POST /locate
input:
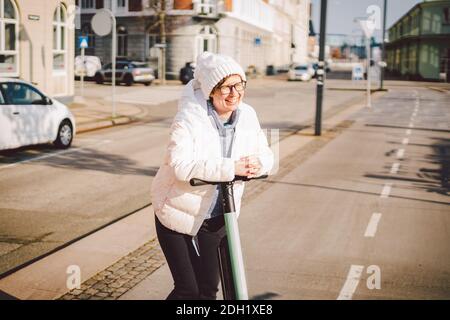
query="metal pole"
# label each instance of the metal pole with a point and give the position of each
(369, 103)
(163, 41)
(113, 54)
(82, 72)
(321, 67)
(234, 242)
(383, 47)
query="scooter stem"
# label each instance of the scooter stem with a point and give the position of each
(234, 242)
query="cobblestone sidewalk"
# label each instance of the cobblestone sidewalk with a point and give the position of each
(122, 276)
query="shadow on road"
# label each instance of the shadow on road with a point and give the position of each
(82, 159)
(433, 180)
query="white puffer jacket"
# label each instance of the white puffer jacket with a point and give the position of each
(194, 151)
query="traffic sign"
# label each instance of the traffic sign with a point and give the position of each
(102, 23)
(83, 42)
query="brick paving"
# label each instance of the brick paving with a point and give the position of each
(122, 276)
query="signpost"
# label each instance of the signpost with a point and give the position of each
(83, 44)
(368, 31)
(103, 23)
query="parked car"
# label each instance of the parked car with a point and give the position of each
(27, 117)
(284, 68)
(127, 72)
(187, 72)
(91, 65)
(303, 72)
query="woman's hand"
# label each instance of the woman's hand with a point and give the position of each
(247, 166)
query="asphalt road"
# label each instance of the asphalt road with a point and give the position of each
(52, 197)
(366, 217)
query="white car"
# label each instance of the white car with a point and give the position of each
(90, 66)
(29, 117)
(303, 72)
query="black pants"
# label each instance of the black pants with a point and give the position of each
(195, 269)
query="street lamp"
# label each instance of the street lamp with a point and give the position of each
(321, 68)
(383, 45)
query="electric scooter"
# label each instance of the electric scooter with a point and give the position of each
(232, 272)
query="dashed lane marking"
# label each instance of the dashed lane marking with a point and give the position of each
(395, 167)
(373, 225)
(386, 190)
(351, 283)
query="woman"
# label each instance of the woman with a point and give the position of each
(214, 137)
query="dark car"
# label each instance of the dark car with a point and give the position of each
(127, 72)
(187, 72)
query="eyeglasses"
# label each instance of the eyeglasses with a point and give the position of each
(239, 87)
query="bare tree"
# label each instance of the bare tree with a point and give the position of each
(160, 9)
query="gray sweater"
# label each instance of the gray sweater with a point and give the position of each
(226, 129)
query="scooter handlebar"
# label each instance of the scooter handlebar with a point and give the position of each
(199, 182)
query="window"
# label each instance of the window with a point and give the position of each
(134, 5)
(21, 94)
(9, 41)
(122, 41)
(206, 40)
(91, 4)
(88, 4)
(445, 15)
(153, 39)
(121, 3)
(59, 38)
(204, 7)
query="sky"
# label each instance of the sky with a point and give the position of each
(341, 13)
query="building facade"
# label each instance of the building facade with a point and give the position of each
(255, 32)
(419, 43)
(37, 44)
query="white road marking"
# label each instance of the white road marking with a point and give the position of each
(411, 125)
(405, 141)
(400, 153)
(386, 190)
(408, 132)
(395, 167)
(372, 226)
(54, 154)
(351, 283)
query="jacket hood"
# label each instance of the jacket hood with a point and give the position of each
(192, 98)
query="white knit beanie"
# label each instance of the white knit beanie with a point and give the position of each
(212, 68)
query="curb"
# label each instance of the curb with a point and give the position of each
(104, 124)
(439, 89)
(358, 89)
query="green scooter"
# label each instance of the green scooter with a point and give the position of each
(231, 262)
